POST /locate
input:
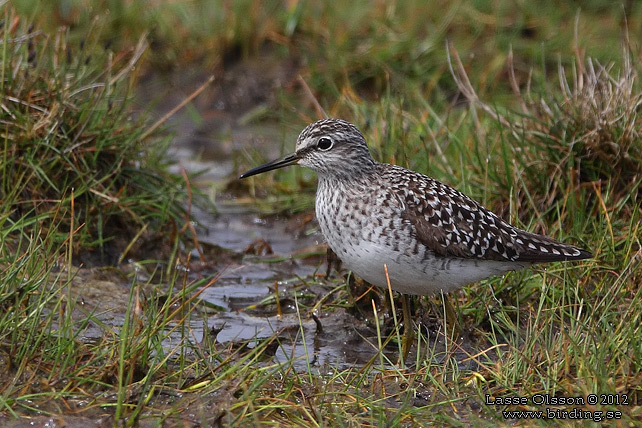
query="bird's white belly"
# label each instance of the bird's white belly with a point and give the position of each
(412, 276)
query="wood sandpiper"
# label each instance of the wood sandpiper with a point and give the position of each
(431, 237)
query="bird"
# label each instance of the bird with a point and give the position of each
(388, 224)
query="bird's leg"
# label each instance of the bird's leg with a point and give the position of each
(450, 318)
(333, 262)
(408, 332)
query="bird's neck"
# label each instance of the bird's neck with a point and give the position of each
(364, 170)
(348, 181)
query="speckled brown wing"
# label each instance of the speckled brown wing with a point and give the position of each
(451, 224)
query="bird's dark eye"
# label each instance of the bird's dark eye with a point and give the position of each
(324, 143)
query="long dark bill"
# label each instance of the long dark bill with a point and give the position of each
(290, 159)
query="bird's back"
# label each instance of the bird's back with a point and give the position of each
(452, 224)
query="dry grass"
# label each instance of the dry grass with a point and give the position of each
(584, 134)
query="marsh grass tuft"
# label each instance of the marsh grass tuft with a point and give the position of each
(564, 143)
(70, 147)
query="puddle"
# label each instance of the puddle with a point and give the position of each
(235, 230)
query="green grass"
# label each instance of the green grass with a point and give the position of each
(533, 109)
(70, 149)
